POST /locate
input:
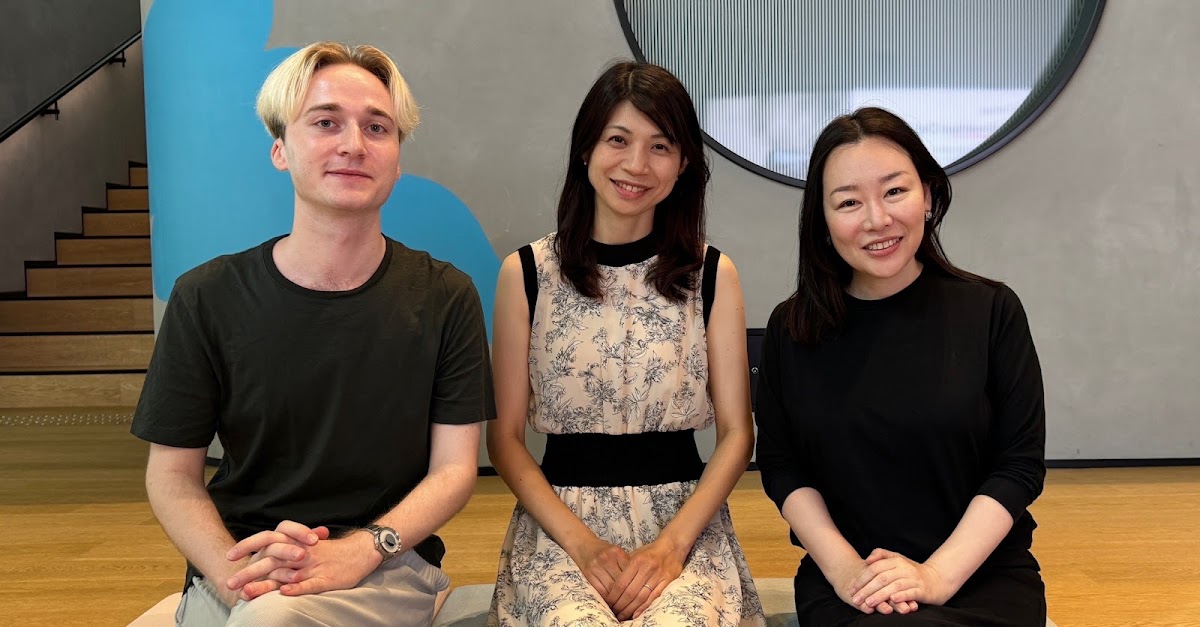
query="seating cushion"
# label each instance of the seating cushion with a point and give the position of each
(778, 601)
(467, 606)
(162, 614)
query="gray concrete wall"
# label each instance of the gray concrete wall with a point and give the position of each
(52, 42)
(50, 168)
(1091, 215)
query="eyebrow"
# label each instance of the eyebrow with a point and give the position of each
(336, 108)
(851, 188)
(622, 128)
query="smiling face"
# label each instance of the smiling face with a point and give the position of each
(633, 167)
(343, 149)
(875, 206)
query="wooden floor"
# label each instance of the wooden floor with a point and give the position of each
(79, 545)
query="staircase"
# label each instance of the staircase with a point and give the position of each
(78, 342)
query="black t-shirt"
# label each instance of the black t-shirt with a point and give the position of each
(926, 399)
(323, 401)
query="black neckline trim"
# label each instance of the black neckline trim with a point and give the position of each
(617, 255)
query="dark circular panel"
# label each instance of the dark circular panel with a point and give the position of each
(767, 75)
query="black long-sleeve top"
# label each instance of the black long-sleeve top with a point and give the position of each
(926, 399)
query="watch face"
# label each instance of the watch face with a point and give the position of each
(389, 540)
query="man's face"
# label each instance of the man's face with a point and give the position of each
(343, 150)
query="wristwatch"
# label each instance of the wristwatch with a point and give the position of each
(387, 541)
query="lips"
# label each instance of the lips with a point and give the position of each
(629, 191)
(350, 172)
(882, 245)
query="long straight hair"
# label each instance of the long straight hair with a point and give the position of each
(817, 309)
(678, 219)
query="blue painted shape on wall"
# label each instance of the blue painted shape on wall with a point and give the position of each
(213, 189)
(424, 215)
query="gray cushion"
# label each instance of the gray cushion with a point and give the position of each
(778, 601)
(467, 606)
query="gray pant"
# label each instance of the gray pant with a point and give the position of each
(400, 592)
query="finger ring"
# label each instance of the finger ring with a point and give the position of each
(647, 586)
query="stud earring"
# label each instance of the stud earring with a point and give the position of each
(928, 216)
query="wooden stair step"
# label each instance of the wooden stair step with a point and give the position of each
(138, 176)
(76, 315)
(75, 353)
(70, 390)
(104, 251)
(131, 199)
(133, 223)
(96, 281)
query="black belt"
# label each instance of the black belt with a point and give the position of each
(601, 460)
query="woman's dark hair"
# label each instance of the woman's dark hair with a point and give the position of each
(817, 309)
(678, 219)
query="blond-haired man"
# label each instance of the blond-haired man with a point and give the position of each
(345, 374)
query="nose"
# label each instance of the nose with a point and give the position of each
(877, 216)
(636, 161)
(352, 141)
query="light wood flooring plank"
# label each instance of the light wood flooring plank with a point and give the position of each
(1117, 546)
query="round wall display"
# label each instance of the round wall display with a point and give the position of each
(768, 75)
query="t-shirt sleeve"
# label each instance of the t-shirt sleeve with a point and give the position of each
(776, 450)
(178, 405)
(462, 387)
(1018, 436)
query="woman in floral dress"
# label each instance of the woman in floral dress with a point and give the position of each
(618, 336)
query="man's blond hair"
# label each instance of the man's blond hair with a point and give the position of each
(283, 92)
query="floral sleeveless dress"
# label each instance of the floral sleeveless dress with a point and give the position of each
(630, 362)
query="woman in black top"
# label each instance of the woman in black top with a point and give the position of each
(901, 421)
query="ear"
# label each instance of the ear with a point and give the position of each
(928, 199)
(278, 155)
(682, 166)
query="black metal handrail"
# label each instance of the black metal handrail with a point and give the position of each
(45, 106)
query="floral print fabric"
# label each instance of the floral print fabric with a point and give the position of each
(630, 362)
